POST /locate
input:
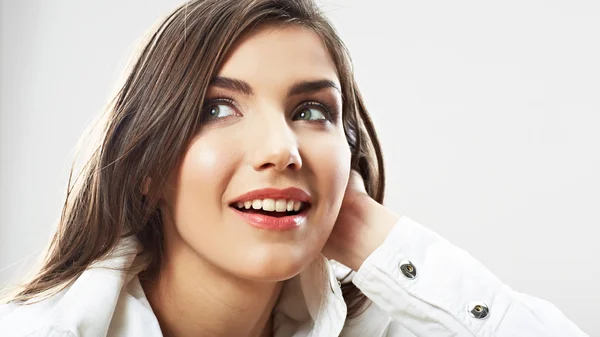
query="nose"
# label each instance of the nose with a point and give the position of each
(275, 147)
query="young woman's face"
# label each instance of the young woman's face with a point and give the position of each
(273, 125)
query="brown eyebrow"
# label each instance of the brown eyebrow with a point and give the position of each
(232, 84)
(302, 87)
(305, 87)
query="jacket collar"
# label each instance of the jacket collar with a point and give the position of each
(310, 304)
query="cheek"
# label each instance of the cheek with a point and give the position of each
(203, 176)
(329, 159)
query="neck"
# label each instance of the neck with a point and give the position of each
(192, 297)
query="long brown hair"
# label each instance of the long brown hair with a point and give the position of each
(152, 119)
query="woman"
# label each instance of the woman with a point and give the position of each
(237, 165)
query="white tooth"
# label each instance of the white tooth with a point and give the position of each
(248, 204)
(297, 206)
(257, 204)
(290, 206)
(280, 205)
(240, 204)
(268, 204)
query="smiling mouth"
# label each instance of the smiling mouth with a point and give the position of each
(272, 214)
(267, 208)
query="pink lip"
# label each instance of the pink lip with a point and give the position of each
(291, 193)
(263, 221)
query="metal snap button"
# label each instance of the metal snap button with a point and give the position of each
(479, 310)
(408, 269)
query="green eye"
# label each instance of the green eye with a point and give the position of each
(310, 114)
(217, 111)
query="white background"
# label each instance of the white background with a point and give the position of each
(489, 115)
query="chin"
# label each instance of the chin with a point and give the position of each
(275, 264)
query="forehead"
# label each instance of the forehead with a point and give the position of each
(274, 55)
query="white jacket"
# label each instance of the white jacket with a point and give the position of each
(420, 285)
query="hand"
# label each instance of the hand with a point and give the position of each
(361, 227)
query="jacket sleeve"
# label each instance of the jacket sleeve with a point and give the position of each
(432, 288)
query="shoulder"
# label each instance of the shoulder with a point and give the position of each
(87, 305)
(18, 319)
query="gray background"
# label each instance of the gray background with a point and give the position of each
(488, 113)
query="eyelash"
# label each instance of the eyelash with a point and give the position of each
(330, 112)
